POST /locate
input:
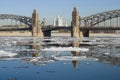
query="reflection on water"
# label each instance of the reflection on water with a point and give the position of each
(47, 54)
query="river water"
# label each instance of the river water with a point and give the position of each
(60, 58)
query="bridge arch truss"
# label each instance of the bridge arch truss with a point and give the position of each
(22, 19)
(93, 20)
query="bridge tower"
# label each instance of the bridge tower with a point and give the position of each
(76, 21)
(36, 28)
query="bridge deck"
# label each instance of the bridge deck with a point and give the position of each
(100, 28)
(16, 29)
(64, 28)
(81, 28)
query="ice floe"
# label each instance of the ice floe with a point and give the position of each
(65, 49)
(7, 54)
(72, 58)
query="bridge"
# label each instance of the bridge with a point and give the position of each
(80, 27)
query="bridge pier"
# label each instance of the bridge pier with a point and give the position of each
(47, 33)
(76, 21)
(86, 33)
(36, 28)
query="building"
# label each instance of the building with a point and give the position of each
(58, 21)
(66, 24)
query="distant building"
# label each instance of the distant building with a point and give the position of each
(58, 21)
(66, 24)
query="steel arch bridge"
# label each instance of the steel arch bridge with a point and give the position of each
(92, 20)
(88, 21)
(23, 19)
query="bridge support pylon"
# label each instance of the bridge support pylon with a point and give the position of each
(76, 21)
(36, 28)
(86, 33)
(47, 33)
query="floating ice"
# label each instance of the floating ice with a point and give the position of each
(106, 53)
(72, 58)
(7, 54)
(41, 61)
(65, 49)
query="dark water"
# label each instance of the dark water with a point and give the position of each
(59, 71)
(101, 62)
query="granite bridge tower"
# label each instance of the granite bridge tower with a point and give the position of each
(76, 21)
(36, 28)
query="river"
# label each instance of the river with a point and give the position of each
(60, 58)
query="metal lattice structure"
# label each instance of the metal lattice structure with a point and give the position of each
(88, 22)
(92, 20)
(23, 19)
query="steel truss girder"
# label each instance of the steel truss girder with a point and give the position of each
(100, 17)
(23, 19)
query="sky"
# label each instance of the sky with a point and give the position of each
(49, 9)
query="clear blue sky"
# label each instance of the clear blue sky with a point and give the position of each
(49, 9)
